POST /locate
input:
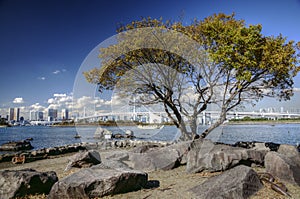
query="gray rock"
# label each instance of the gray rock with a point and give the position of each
(16, 146)
(84, 159)
(160, 159)
(6, 157)
(282, 167)
(182, 148)
(256, 156)
(112, 164)
(114, 160)
(204, 155)
(52, 151)
(96, 182)
(118, 156)
(144, 148)
(260, 146)
(237, 183)
(23, 182)
(101, 132)
(290, 152)
(246, 145)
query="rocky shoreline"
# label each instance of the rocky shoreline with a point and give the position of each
(161, 169)
(61, 150)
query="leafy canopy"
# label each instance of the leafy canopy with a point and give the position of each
(227, 63)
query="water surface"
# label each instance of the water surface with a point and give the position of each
(45, 137)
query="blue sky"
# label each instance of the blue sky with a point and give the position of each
(43, 43)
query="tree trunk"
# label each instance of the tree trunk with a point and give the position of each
(193, 126)
(185, 135)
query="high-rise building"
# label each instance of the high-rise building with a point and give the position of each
(17, 114)
(36, 115)
(40, 116)
(11, 113)
(52, 114)
(65, 114)
(14, 114)
(33, 115)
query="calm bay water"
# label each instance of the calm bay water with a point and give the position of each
(44, 137)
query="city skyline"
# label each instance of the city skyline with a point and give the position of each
(14, 114)
(98, 105)
(43, 43)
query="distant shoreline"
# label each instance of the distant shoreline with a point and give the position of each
(241, 122)
(268, 122)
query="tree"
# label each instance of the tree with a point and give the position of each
(218, 60)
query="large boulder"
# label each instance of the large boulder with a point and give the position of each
(16, 146)
(237, 183)
(288, 150)
(84, 159)
(256, 155)
(182, 148)
(97, 182)
(112, 164)
(256, 151)
(118, 155)
(291, 152)
(282, 167)
(144, 148)
(204, 155)
(114, 160)
(19, 183)
(160, 159)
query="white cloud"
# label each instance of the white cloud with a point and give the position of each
(42, 78)
(56, 72)
(18, 100)
(37, 107)
(51, 101)
(60, 100)
(59, 95)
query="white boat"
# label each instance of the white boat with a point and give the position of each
(150, 126)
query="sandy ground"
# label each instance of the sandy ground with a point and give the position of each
(173, 184)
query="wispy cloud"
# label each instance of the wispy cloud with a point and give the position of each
(18, 100)
(56, 72)
(42, 78)
(60, 95)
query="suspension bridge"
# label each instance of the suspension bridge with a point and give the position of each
(206, 117)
